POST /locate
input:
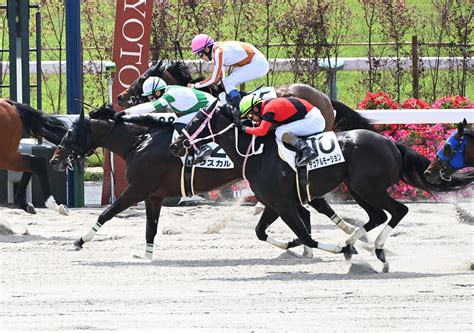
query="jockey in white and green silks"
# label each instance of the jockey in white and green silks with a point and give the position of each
(184, 102)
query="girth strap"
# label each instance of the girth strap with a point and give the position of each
(302, 184)
(187, 176)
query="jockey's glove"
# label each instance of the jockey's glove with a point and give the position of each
(240, 125)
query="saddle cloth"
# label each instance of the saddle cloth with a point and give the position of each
(217, 160)
(324, 144)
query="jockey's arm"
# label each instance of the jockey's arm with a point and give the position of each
(140, 109)
(216, 70)
(261, 130)
(156, 106)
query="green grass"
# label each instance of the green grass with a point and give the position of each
(349, 87)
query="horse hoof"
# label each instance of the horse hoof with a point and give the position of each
(63, 210)
(78, 244)
(145, 257)
(307, 252)
(348, 251)
(30, 209)
(380, 253)
(385, 267)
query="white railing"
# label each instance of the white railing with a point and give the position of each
(414, 116)
(277, 65)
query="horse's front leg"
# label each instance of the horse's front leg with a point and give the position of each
(268, 217)
(128, 198)
(153, 209)
(20, 194)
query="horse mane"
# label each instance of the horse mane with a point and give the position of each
(38, 125)
(106, 112)
(469, 132)
(149, 121)
(180, 72)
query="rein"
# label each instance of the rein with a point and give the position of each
(192, 139)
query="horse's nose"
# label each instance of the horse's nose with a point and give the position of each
(53, 161)
(427, 173)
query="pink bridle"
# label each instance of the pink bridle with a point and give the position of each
(192, 139)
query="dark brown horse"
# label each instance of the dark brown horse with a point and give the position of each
(455, 154)
(338, 116)
(372, 164)
(16, 118)
(152, 172)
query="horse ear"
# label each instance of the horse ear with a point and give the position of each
(461, 127)
(81, 116)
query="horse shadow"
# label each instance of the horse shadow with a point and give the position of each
(281, 261)
(16, 238)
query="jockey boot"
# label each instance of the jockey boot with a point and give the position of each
(234, 98)
(202, 154)
(304, 153)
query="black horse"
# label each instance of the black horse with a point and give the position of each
(456, 153)
(152, 172)
(372, 164)
(16, 119)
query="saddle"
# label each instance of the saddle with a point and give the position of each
(329, 153)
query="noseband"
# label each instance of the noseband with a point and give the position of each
(72, 151)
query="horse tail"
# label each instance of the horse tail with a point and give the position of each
(414, 165)
(348, 119)
(38, 125)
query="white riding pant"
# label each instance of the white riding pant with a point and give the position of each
(258, 67)
(312, 123)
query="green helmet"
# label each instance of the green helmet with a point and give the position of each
(247, 103)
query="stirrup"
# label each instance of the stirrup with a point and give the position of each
(304, 160)
(202, 154)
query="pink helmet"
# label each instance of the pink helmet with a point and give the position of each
(200, 42)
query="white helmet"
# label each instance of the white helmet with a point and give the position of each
(152, 84)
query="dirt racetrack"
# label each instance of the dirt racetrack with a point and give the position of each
(211, 272)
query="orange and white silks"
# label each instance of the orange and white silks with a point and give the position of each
(249, 63)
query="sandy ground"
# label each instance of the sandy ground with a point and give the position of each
(210, 272)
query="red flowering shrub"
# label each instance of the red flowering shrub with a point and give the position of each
(374, 101)
(413, 103)
(423, 138)
(453, 102)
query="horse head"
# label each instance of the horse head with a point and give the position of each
(176, 73)
(75, 145)
(133, 94)
(454, 155)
